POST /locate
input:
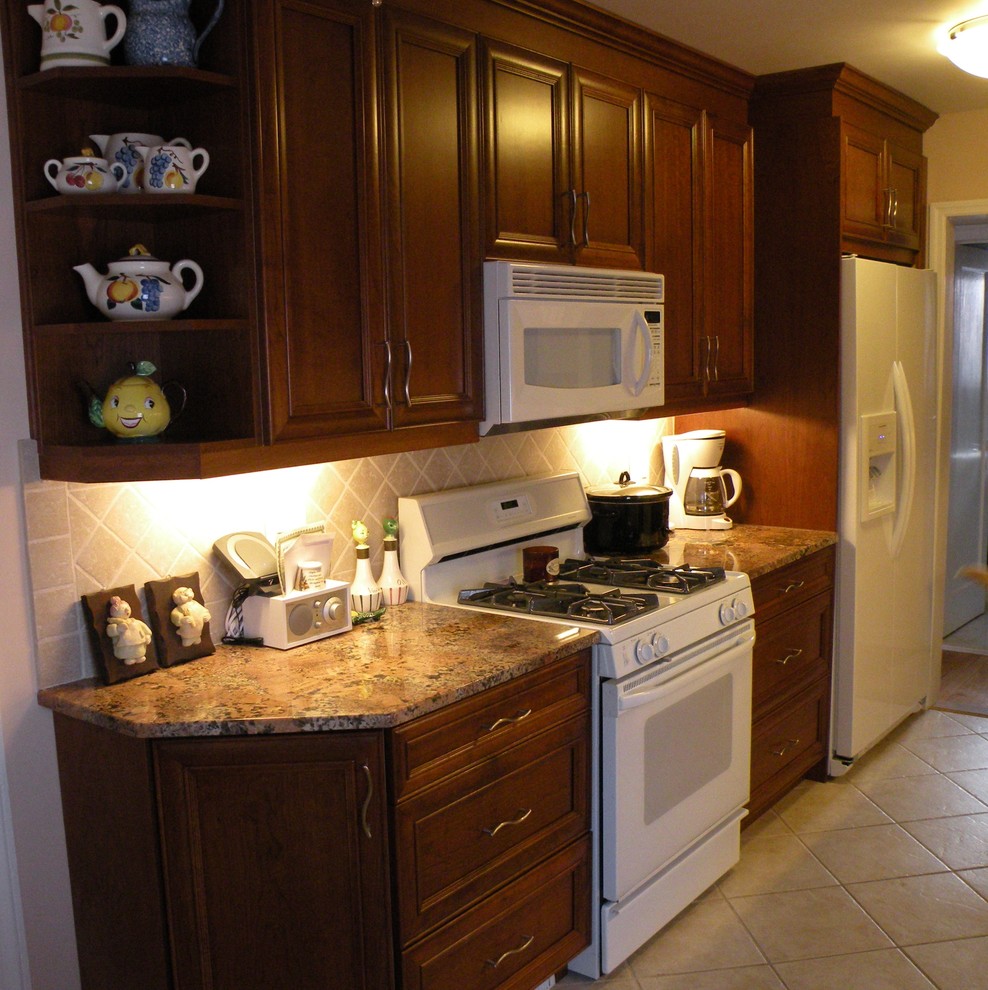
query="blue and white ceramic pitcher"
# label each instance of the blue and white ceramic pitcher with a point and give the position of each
(160, 32)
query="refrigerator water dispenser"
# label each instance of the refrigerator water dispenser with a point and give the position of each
(878, 443)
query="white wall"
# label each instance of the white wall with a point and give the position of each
(33, 856)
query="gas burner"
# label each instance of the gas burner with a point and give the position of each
(643, 572)
(560, 599)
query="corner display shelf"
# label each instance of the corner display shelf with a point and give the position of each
(211, 349)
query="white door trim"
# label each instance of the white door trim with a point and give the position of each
(13, 945)
(943, 217)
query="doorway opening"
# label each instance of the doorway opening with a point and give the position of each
(959, 251)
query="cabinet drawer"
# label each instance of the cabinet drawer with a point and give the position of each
(791, 586)
(514, 939)
(791, 650)
(475, 831)
(476, 728)
(791, 737)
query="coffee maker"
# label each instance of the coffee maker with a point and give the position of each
(693, 472)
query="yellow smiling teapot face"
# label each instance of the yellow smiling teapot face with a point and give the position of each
(136, 407)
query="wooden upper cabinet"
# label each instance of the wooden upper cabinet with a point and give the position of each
(527, 155)
(434, 344)
(320, 224)
(699, 189)
(674, 193)
(563, 152)
(728, 283)
(370, 226)
(883, 188)
(607, 171)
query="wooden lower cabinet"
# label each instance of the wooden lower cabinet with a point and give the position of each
(515, 938)
(275, 861)
(492, 822)
(215, 863)
(791, 675)
(452, 851)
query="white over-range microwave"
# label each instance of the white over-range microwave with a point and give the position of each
(569, 343)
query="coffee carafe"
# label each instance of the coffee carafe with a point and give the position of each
(698, 482)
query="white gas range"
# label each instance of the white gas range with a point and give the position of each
(672, 713)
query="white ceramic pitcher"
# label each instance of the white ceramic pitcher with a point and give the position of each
(75, 33)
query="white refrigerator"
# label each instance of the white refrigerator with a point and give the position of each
(884, 643)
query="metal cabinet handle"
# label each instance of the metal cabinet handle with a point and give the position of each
(789, 656)
(494, 963)
(894, 207)
(408, 372)
(706, 359)
(572, 216)
(785, 747)
(367, 800)
(387, 373)
(508, 720)
(795, 586)
(716, 357)
(585, 196)
(492, 830)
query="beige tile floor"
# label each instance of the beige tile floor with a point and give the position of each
(877, 880)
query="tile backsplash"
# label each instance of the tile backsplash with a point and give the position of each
(82, 538)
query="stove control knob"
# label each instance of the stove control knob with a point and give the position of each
(740, 608)
(661, 644)
(727, 614)
(644, 653)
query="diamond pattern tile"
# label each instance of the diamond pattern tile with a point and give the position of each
(85, 537)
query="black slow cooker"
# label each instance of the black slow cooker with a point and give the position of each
(627, 518)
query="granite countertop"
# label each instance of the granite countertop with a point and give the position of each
(756, 550)
(417, 658)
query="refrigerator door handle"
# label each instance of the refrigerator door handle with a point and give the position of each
(907, 447)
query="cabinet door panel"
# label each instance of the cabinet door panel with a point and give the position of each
(607, 171)
(433, 217)
(729, 275)
(527, 155)
(863, 183)
(271, 878)
(317, 178)
(674, 194)
(907, 179)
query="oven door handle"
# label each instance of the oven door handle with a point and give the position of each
(648, 694)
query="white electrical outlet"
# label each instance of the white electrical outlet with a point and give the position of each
(546, 984)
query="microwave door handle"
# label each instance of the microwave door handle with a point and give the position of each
(641, 326)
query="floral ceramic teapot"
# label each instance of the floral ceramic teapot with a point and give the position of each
(135, 407)
(140, 287)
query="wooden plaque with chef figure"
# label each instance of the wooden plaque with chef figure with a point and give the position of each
(122, 642)
(179, 619)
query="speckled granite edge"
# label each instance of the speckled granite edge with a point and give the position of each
(416, 659)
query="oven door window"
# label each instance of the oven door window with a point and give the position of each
(675, 761)
(667, 782)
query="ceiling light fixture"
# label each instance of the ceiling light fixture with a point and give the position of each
(966, 45)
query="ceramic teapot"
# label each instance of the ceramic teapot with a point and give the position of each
(140, 287)
(162, 33)
(84, 173)
(73, 32)
(125, 148)
(135, 407)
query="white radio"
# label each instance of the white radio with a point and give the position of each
(300, 617)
